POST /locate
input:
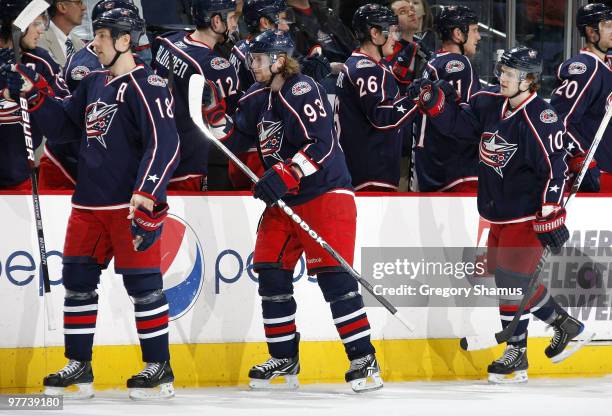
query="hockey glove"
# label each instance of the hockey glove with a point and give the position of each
(275, 183)
(576, 162)
(450, 93)
(213, 104)
(403, 67)
(414, 89)
(550, 228)
(431, 99)
(148, 225)
(21, 79)
(590, 182)
(316, 66)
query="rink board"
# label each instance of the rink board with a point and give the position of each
(216, 329)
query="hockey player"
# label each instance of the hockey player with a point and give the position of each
(58, 165)
(521, 178)
(193, 53)
(306, 167)
(14, 168)
(447, 163)
(369, 110)
(259, 16)
(584, 91)
(129, 149)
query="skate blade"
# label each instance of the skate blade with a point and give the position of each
(163, 391)
(514, 378)
(370, 383)
(290, 383)
(74, 392)
(575, 346)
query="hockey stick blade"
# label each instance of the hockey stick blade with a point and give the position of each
(196, 89)
(34, 9)
(487, 341)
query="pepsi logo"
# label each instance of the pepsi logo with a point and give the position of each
(182, 265)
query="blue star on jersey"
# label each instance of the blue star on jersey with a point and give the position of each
(496, 152)
(98, 117)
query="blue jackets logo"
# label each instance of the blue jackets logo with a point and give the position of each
(98, 118)
(182, 265)
(496, 152)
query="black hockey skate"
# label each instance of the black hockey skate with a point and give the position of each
(511, 367)
(361, 370)
(154, 382)
(262, 374)
(566, 329)
(75, 373)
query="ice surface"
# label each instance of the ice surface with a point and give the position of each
(540, 397)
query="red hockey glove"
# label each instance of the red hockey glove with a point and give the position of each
(148, 225)
(431, 99)
(403, 67)
(213, 104)
(550, 228)
(21, 79)
(576, 162)
(277, 181)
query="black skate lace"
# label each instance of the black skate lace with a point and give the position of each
(510, 355)
(273, 363)
(149, 370)
(70, 368)
(359, 362)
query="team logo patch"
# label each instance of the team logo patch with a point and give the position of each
(365, 63)
(219, 63)
(180, 44)
(79, 72)
(301, 88)
(98, 119)
(548, 116)
(270, 138)
(454, 66)
(156, 81)
(577, 68)
(496, 152)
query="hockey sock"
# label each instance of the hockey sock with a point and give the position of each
(80, 314)
(279, 325)
(506, 313)
(545, 307)
(152, 327)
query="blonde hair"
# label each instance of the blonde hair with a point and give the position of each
(290, 68)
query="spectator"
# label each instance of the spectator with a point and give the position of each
(57, 40)
(424, 15)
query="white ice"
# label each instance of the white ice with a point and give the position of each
(540, 397)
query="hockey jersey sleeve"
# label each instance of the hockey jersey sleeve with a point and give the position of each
(242, 137)
(308, 120)
(60, 119)
(379, 96)
(546, 153)
(458, 72)
(50, 70)
(576, 92)
(160, 138)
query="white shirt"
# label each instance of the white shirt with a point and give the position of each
(61, 36)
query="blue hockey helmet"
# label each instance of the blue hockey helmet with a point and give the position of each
(253, 10)
(372, 15)
(120, 22)
(203, 11)
(452, 17)
(273, 43)
(106, 5)
(525, 60)
(590, 15)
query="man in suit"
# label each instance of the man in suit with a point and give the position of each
(65, 15)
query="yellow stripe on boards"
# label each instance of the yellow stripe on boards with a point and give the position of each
(200, 365)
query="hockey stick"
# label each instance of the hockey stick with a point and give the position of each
(479, 342)
(20, 26)
(196, 88)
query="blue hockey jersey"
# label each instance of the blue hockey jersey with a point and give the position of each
(370, 114)
(581, 98)
(238, 58)
(128, 137)
(193, 57)
(294, 123)
(14, 167)
(442, 162)
(522, 156)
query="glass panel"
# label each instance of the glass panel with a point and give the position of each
(540, 25)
